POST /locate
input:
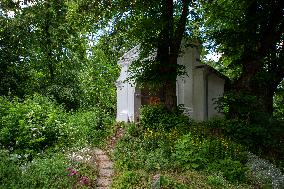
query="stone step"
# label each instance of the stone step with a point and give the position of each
(105, 165)
(102, 157)
(103, 182)
(99, 152)
(105, 172)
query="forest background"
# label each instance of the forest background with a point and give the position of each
(58, 67)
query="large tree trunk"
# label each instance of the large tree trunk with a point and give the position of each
(254, 91)
(168, 50)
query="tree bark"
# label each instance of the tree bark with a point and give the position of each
(169, 49)
(262, 63)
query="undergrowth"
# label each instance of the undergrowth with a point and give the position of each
(155, 153)
(36, 137)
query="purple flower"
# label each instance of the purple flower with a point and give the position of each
(84, 180)
(73, 172)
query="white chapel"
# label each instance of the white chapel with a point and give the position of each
(197, 90)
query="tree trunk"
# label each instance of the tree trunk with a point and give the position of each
(254, 91)
(169, 49)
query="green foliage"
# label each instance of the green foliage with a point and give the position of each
(232, 170)
(44, 50)
(195, 153)
(90, 126)
(47, 172)
(251, 56)
(216, 180)
(32, 125)
(262, 138)
(167, 183)
(131, 180)
(35, 131)
(97, 79)
(149, 150)
(278, 101)
(263, 173)
(188, 153)
(158, 117)
(161, 150)
(10, 172)
(38, 123)
(250, 109)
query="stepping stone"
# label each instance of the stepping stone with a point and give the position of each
(105, 165)
(99, 152)
(103, 182)
(105, 172)
(102, 157)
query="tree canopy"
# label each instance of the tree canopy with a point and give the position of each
(249, 34)
(46, 45)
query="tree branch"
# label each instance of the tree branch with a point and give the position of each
(181, 27)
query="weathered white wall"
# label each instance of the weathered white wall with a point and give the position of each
(195, 90)
(215, 91)
(189, 58)
(126, 100)
(199, 93)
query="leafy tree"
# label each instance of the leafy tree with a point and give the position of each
(44, 49)
(249, 34)
(157, 26)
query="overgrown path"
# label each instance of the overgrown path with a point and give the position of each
(104, 164)
(105, 169)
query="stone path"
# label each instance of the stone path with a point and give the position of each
(99, 158)
(105, 169)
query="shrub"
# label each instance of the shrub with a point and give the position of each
(89, 126)
(45, 172)
(131, 180)
(10, 172)
(232, 170)
(30, 126)
(262, 138)
(188, 153)
(149, 151)
(214, 155)
(157, 117)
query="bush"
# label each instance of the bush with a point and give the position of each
(232, 170)
(263, 138)
(32, 125)
(90, 126)
(157, 117)
(212, 155)
(263, 173)
(131, 180)
(10, 172)
(149, 151)
(47, 172)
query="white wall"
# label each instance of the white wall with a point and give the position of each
(199, 92)
(215, 91)
(126, 103)
(195, 90)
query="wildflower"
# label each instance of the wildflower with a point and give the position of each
(84, 180)
(73, 172)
